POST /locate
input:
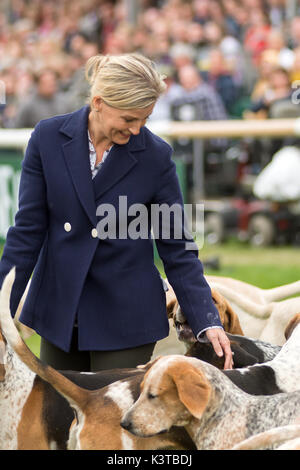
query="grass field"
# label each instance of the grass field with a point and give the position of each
(265, 267)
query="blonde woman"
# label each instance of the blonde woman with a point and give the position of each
(96, 298)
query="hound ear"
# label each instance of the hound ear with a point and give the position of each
(228, 317)
(171, 304)
(171, 300)
(291, 325)
(194, 390)
(219, 301)
(2, 357)
(232, 323)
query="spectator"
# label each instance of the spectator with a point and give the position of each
(8, 102)
(276, 45)
(197, 100)
(202, 13)
(44, 103)
(255, 40)
(276, 12)
(162, 110)
(278, 91)
(220, 78)
(265, 69)
(295, 70)
(294, 32)
(173, 33)
(194, 90)
(181, 55)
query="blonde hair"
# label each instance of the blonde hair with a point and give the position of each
(125, 81)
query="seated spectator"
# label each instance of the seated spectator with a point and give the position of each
(8, 101)
(182, 54)
(213, 34)
(294, 32)
(220, 78)
(266, 66)
(208, 102)
(162, 109)
(43, 103)
(276, 45)
(255, 40)
(295, 69)
(276, 12)
(278, 91)
(197, 100)
(232, 22)
(202, 11)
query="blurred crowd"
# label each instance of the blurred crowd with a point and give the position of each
(236, 58)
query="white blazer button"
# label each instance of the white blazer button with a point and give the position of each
(67, 227)
(94, 233)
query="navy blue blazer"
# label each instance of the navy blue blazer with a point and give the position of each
(54, 238)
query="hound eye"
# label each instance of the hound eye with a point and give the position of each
(151, 396)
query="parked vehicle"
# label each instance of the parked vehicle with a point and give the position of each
(261, 223)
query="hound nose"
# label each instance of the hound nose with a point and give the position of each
(126, 424)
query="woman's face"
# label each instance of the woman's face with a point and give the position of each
(118, 125)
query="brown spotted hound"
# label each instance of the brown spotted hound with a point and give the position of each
(185, 391)
(228, 317)
(37, 403)
(262, 313)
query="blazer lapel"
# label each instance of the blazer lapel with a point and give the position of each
(118, 163)
(76, 153)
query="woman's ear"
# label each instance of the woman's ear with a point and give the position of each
(97, 103)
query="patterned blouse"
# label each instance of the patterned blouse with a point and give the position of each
(93, 156)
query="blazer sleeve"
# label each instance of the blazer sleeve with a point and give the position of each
(182, 266)
(24, 240)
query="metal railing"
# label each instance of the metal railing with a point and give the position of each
(199, 131)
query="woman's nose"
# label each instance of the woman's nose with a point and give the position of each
(135, 129)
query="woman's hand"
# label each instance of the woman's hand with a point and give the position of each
(221, 345)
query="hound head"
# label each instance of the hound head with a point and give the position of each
(228, 317)
(173, 393)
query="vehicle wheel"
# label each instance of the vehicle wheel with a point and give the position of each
(261, 230)
(214, 229)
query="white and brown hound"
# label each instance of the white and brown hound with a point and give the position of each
(262, 313)
(217, 414)
(36, 401)
(263, 318)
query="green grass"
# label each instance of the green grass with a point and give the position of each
(34, 344)
(265, 267)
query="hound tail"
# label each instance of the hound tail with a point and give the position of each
(282, 292)
(252, 308)
(74, 394)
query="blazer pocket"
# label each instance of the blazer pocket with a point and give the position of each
(145, 304)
